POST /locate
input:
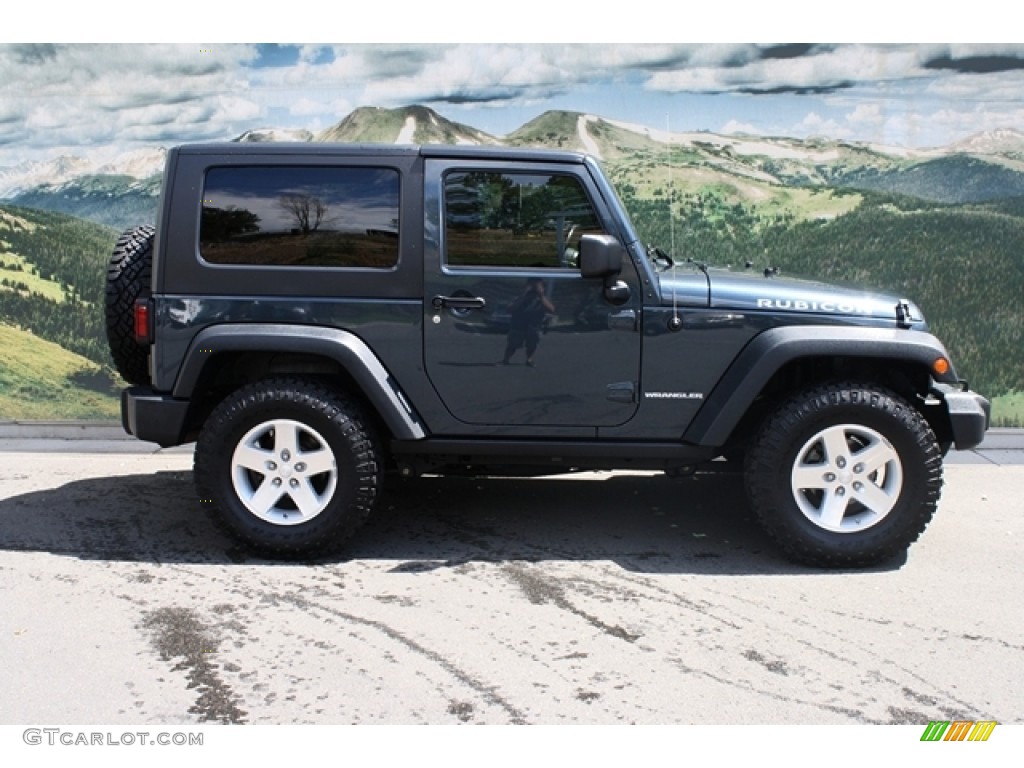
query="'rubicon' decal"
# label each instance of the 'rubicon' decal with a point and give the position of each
(799, 305)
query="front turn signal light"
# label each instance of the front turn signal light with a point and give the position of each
(941, 366)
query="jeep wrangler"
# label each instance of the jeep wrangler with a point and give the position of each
(318, 316)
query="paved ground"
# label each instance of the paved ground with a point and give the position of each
(602, 598)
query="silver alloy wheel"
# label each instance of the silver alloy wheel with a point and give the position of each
(284, 472)
(846, 478)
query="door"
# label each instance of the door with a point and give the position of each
(514, 336)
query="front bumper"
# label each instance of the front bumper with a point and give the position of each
(969, 415)
(153, 417)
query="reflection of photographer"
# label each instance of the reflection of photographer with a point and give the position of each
(527, 320)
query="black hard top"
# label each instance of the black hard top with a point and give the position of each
(313, 149)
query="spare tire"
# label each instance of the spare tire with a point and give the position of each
(128, 279)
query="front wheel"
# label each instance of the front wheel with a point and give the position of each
(289, 466)
(844, 475)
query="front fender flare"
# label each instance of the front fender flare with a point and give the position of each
(769, 351)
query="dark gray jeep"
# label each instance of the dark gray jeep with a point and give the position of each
(317, 316)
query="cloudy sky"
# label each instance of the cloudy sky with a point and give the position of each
(105, 97)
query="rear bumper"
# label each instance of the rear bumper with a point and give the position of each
(969, 415)
(153, 417)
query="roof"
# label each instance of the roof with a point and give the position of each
(299, 149)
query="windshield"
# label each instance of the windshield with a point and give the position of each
(651, 228)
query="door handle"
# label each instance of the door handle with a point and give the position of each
(623, 320)
(458, 302)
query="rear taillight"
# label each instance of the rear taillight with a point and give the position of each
(143, 321)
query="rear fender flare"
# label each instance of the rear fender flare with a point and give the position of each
(346, 349)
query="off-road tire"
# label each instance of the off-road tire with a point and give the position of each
(128, 279)
(276, 425)
(801, 447)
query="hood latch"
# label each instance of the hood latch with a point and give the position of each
(904, 317)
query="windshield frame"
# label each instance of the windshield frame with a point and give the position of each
(627, 232)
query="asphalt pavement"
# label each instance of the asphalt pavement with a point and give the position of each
(597, 598)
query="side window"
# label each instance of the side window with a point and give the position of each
(507, 219)
(300, 216)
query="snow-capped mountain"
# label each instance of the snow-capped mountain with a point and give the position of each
(137, 164)
(32, 174)
(405, 125)
(1004, 141)
(276, 134)
(983, 167)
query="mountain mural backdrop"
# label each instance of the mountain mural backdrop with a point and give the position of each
(944, 226)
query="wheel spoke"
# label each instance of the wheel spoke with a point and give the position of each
(318, 461)
(305, 498)
(834, 440)
(265, 497)
(833, 508)
(875, 499)
(286, 438)
(253, 457)
(875, 456)
(810, 476)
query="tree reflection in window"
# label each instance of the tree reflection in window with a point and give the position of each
(307, 211)
(515, 219)
(301, 216)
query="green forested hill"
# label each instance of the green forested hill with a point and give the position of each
(41, 380)
(52, 272)
(945, 180)
(115, 201)
(962, 264)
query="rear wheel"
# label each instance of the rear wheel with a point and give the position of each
(128, 279)
(289, 466)
(844, 475)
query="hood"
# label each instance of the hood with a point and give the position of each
(754, 292)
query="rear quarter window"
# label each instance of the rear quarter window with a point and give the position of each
(295, 216)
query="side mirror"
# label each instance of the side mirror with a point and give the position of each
(600, 256)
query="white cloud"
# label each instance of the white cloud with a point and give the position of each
(78, 95)
(866, 115)
(235, 109)
(55, 96)
(816, 125)
(817, 70)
